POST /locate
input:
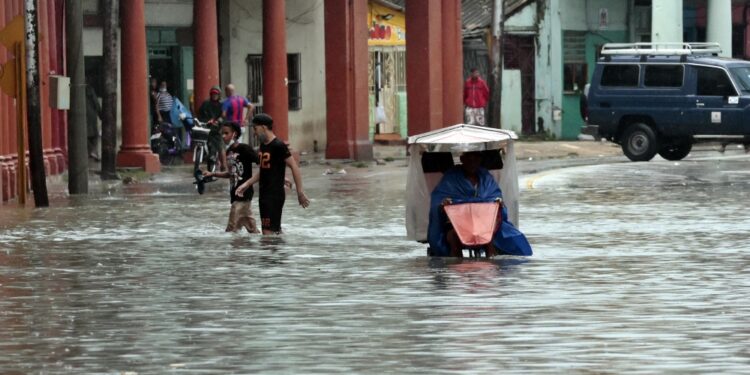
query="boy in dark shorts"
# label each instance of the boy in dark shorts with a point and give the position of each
(274, 157)
(240, 157)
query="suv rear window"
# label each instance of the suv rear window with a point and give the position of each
(713, 82)
(663, 76)
(620, 75)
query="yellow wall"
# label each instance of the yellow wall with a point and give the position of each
(385, 32)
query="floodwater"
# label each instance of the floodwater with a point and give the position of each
(638, 268)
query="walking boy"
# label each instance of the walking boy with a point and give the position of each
(274, 157)
(240, 157)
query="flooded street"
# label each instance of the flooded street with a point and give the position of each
(638, 268)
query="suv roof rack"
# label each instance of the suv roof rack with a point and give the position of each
(663, 48)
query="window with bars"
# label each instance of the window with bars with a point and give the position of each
(294, 80)
(575, 70)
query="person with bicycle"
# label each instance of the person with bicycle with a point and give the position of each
(240, 157)
(210, 112)
(274, 158)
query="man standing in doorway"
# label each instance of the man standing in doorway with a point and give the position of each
(476, 94)
(93, 115)
(233, 107)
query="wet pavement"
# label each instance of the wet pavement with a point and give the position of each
(638, 268)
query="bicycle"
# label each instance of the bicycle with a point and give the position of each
(200, 133)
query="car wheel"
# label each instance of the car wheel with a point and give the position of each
(676, 151)
(639, 142)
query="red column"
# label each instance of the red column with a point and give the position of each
(206, 49)
(275, 92)
(452, 63)
(4, 98)
(5, 105)
(424, 66)
(9, 177)
(50, 161)
(135, 152)
(54, 66)
(17, 9)
(62, 129)
(347, 130)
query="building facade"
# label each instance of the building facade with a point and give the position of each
(51, 47)
(566, 37)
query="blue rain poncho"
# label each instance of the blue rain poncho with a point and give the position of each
(455, 185)
(174, 115)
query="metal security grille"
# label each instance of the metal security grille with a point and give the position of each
(399, 57)
(575, 70)
(294, 81)
(255, 80)
(574, 44)
(386, 79)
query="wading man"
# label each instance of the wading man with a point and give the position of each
(274, 158)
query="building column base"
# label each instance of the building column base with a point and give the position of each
(50, 163)
(140, 157)
(4, 181)
(62, 160)
(10, 176)
(345, 149)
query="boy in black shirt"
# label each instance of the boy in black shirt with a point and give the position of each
(240, 157)
(274, 157)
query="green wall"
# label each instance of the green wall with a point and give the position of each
(572, 121)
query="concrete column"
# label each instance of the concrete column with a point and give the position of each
(9, 135)
(666, 21)
(15, 10)
(135, 152)
(44, 37)
(347, 130)
(719, 25)
(54, 66)
(452, 63)
(275, 92)
(424, 66)
(62, 43)
(5, 106)
(206, 49)
(5, 102)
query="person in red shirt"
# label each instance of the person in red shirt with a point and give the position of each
(476, 94)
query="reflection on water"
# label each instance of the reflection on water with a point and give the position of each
(624, 279)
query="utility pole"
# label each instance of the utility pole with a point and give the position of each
(110, 14)
(78, 176)
(496, 65)
(34, 110)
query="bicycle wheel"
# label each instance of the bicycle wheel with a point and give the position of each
(211, 162)
(198, 157)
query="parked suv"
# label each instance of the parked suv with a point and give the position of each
(663, 97)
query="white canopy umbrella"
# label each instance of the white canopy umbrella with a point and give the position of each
(456, 139)
(463, 137)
